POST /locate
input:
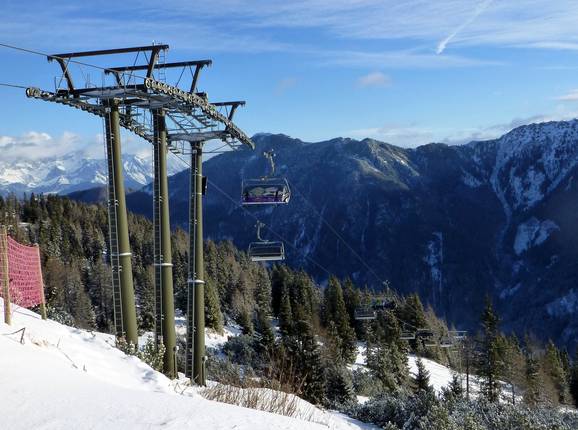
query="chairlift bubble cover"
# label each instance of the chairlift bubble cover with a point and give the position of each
(266, 191)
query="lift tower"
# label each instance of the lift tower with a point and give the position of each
(171, 119)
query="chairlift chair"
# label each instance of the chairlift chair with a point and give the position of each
(407, 335)
(429, 343)
(265, 250)
(424, 333)
(364, 313)
(445, 342)
(384, 304)
(459, 335)
(267, 190)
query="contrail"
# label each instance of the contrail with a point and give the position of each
(479, 10)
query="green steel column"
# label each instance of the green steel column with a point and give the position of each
(198, 273)
(124, 254)
(165, 263)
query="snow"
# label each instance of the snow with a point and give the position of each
(565, 305)
(533, 233)
(531, 161)
(440, 375)
(73, 172)
(434, 260)
(470, 180)
(62, 377)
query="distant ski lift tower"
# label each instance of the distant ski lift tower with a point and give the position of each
(171, 119)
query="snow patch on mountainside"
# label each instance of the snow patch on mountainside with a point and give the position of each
(533, 233)
(471, 181)
(565, 305)
(531, 161)
(434, 259)
(72, 172)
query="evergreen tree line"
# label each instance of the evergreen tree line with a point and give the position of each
(293, 331)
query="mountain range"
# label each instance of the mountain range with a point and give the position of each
(457, 224)
(70, 173)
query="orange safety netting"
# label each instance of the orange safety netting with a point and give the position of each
(24, 272)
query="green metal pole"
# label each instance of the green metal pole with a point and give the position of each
(198, 273)
(124, 254)
(165, 262)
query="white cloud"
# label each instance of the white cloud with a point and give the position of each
(477, 12)
(35, 145)
(413, 135)
(253, 26)
(571, 96)
(374, 79)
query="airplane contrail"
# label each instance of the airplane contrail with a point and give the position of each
(479, 10)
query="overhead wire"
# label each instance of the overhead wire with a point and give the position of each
(361, 260)
(238, 205)
(131, 74)
(12, 85)
(68, 60)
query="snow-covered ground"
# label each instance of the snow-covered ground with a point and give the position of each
(440, 376)
(65, 378)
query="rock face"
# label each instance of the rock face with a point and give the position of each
(454, 223)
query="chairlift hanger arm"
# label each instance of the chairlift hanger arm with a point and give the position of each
(151, 48)
(158, 66)
(198, 68)
(234, 105)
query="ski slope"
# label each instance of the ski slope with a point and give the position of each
(440, 375)
(66, 378)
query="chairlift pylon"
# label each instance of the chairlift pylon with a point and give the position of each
(267, 190)
(265, 250)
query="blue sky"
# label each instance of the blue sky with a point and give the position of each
(406, 72)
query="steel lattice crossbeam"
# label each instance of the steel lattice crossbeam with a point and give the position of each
(191, 116)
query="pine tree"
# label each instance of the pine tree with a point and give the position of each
(422, 377)
(554, 368)
(574, 379)
(532, 394)
(339, 386)
(336, 313)
(455, 389)
(285, 313)
(490, 360)
(213, 314)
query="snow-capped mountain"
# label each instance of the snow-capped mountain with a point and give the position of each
(72, 172)
(454, 223)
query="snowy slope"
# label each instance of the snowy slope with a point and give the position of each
(65, 378)
(440, 376)
(72, 172)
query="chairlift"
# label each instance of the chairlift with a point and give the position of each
(267, 190)
(384, 304)
(445, 342)
(265, 250)
(458, 335)
(424, 333)
(407, 335)
(364, 313)
(429, 343)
